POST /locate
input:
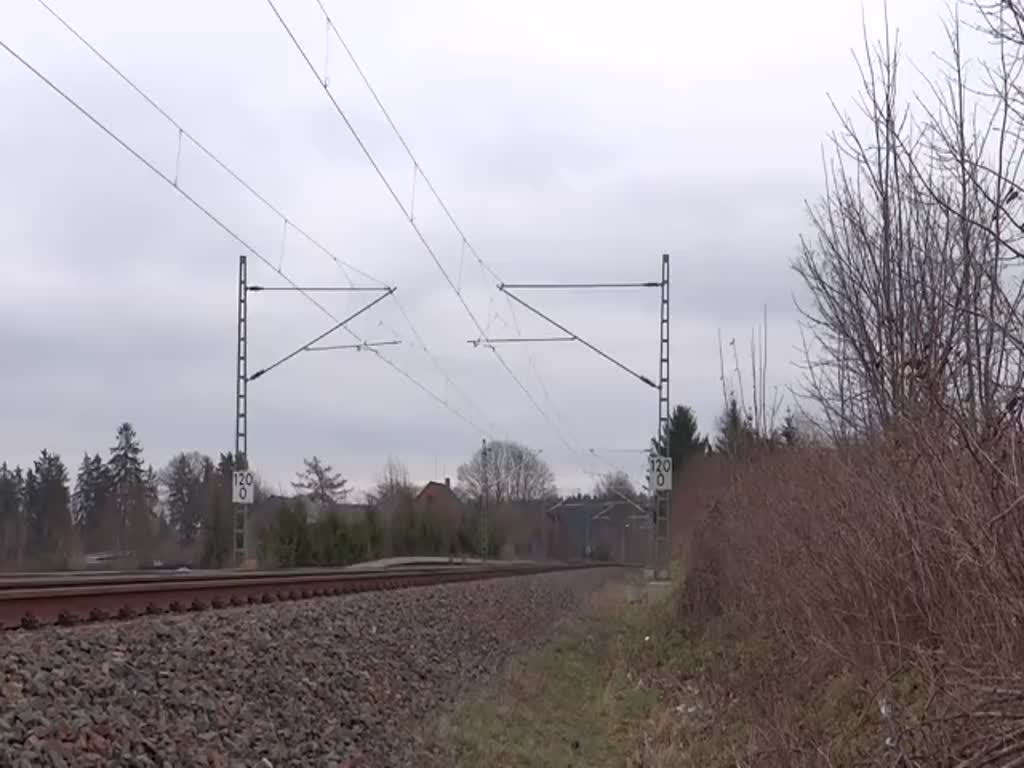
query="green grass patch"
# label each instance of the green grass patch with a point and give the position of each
(572, 702)
(630, 683)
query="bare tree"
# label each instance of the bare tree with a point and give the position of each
(507, 472)
(392, 482)
(912, 307)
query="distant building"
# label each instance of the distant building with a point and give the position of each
(439, 501)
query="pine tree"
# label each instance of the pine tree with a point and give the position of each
(12, 522)
(183, 477)
(681, 440)
(82, 500)
(91, 502)
(218, 523)
(48, 507)
(321, 483)
(150, 491)
(128, 486)
(102, 524)
(790, 433)
(29, 504)
(735, 432)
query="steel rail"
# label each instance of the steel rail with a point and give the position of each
(28, 579)
(28, 605)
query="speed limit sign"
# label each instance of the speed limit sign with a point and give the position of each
(660, 468)
(243, 486)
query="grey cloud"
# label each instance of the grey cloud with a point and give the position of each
(563, 156)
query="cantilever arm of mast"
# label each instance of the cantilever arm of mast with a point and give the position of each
(518, 340)
(322, 336)
(313, 289)
(531, 286)
(363, 345)
(506, 289)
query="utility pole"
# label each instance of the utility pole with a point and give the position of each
(662, 495)
(243, 481)
(241, 410)
(657, 516)
(483, 503)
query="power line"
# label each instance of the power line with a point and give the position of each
(183, 132)
(406, 212)
(434, 361)
(286, 220)
(225, 228)
(418, 169)
(138, 156)
(373, 162)
(417, 343)
(530, 359)
(288, 223)
(398, 134)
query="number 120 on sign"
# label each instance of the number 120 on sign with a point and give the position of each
(660, 473)
(242, 487)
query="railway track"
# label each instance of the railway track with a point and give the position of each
(35, 601)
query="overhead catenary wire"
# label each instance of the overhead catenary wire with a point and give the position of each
(287, 222)
(465, 243)
(398, 134)
(184, 132)
(225, 228)
(380, 173)
(530, 359)
(406, 213)
(418, 170)
(449, 381)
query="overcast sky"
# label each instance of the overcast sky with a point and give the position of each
(571, 140)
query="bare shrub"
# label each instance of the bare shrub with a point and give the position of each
(882, 559)
(888, 562)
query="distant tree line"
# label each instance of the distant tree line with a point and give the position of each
(114, 507)
(120, 505)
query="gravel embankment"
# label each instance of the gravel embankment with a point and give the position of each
(322, 682)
